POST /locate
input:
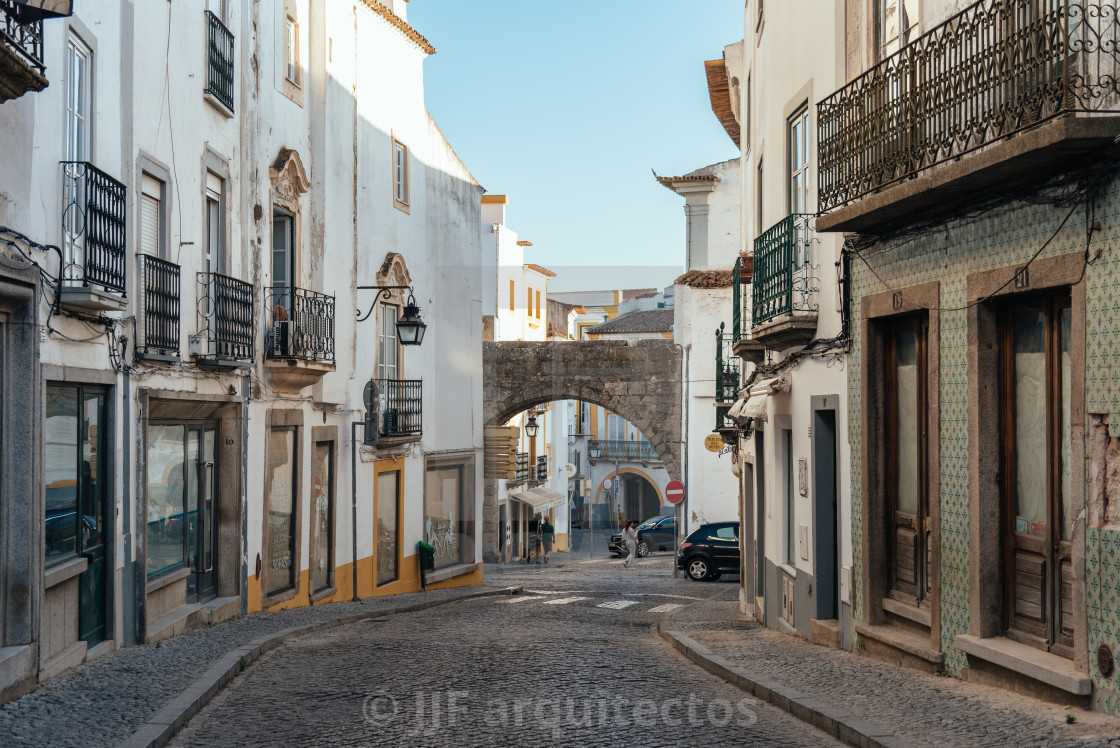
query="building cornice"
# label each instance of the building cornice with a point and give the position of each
(413, 35)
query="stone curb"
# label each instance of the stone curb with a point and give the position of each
(838, 723)
(163, 725)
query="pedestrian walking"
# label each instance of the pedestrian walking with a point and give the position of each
(631, 539)
(548, 535)
(538, 539)
(531, 541)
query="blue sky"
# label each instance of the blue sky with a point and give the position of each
(566, 107)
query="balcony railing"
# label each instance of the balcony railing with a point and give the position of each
(727, 368)
(225, 317)
(22, 36)
(542, 468)
(158, 324)
(93, 227)
(301, 324)
(522, 467)
(401, 405)
(996, 68)
(783, 280)
(219, 54)
(615, 449)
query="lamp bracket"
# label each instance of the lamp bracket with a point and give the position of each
(384, 293)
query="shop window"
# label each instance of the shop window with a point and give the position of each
(388, 528)
(1035, 405)
(907, 514)
(322, 516)
(281, 530)
(449, 511)
(75, 470)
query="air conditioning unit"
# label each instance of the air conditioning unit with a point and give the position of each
(282, 338)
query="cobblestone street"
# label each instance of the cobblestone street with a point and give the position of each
(572, 661)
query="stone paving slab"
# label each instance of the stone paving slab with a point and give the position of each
(141, 694)
(866, 702)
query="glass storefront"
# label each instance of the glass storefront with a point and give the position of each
(388, 499)
(449, 513)
(322, 516)
(280, 536)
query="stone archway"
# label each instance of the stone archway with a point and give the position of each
(639, 381)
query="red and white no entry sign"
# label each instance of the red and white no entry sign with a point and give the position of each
(674, 492)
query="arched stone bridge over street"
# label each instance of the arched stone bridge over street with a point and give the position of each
(640, 381)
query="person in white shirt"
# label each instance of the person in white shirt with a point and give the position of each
(631, 539)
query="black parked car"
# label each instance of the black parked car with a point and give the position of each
(710, 550)
(655, 534)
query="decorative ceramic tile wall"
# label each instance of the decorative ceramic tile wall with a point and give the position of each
(1005, 237)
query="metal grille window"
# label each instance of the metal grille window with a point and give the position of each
(401, 407)
(219, 55)
(159, 307)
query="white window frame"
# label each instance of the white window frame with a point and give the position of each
(291, 49)
(387, 315)
(214, 211)
(152, 191)
(888, 45)
(401, 165)
(79, 94)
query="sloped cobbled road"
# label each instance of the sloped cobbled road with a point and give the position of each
(572, 662)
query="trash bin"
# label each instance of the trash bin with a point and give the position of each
(427, 560)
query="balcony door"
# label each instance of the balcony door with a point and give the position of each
(1035, 402)
(283, 279)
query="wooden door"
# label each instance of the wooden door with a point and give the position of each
(1035, 432)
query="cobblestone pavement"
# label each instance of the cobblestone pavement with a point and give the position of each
(922, 709)
(103, 702)
(572, 661)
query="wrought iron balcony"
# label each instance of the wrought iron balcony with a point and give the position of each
(21, 52)
(93, 228)
(158, 318)
(401, 404)
(617, 449)
(522, 468)
(301, 325)
(219, 55)
(225, 321)
(785, 286)
(994, 69)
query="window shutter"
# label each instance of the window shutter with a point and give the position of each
(151, 190)
(215, 7)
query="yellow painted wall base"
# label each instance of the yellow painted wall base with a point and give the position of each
(561, 542)
(408, 580)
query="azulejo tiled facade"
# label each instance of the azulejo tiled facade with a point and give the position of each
(1006, 236)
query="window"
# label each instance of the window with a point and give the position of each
(280, 538)
(151, 216)
(908, 523)
(538, 314)
(799, 161)
(616, 428)
(400, 174)
(529, 302)
(322, 516)
(78, 92)
(215, 7)
(215, 255)
(449, 511)
(75, 470)
(388, 527)
(747, 115)
(291, 49)
(898, 24)
(283, 254)
(512, 296)
(387, 345)
(1035, 404)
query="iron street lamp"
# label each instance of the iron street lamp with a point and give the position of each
(410, 328)
(531, 428)
(595, 451)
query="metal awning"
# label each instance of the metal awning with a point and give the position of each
(540, 499)
(753, 405)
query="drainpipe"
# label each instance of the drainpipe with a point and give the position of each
(682, 510)
(354, 504)
(246, 384)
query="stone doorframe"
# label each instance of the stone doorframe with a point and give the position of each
(985, 589)
(877, 310)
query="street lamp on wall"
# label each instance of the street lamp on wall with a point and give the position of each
(410, 328)
(532, 428)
